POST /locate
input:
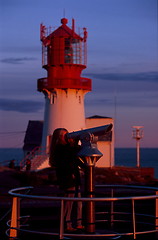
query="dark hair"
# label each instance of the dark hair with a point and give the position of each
(55, 140)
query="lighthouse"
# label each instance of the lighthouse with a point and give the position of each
(64, 58)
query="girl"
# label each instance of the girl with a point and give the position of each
(63, 155)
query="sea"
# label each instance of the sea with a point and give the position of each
(123, 157)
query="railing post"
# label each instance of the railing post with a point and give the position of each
(112, 209)
(134, 220)
(61, 220)
(15, 217)
(156, 214)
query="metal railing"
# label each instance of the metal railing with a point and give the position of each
(147, 226)
(30, 156)
(37, 156)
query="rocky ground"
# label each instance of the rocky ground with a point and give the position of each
(12, 178)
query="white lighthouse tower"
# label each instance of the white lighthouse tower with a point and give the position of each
(64, 58)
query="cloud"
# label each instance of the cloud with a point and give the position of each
(17, 60)
(129, 99)
(23, 106)
(138, 101)
(142, 76)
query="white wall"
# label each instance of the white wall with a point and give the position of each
(63, 109)
(105, 147)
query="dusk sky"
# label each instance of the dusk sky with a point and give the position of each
(122, 63)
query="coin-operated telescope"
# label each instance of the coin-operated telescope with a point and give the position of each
(89, 138)
(89, 155)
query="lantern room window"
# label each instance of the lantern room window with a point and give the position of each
(68, 51)
(73, 51)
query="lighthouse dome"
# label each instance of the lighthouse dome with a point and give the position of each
(65, 31)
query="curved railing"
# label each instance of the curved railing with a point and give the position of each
(148, 226)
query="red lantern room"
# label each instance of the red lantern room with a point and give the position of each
(64, 57)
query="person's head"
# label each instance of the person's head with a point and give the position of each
(59, 136)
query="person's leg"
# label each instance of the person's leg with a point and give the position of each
(70, 192)
(79, 211)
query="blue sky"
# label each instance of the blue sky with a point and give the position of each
(122, 63)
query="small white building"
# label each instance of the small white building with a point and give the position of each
(105, 143)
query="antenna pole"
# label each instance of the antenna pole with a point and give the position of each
(64, 12)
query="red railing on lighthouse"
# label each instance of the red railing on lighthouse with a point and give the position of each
(82, 83)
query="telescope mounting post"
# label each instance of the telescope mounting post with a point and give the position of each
(89, 155)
